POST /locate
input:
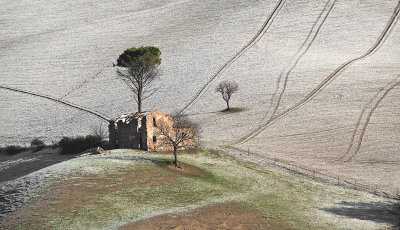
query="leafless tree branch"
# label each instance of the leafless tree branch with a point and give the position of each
(227, 88)
(178, 133)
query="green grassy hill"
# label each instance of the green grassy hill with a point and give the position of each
(112, 190)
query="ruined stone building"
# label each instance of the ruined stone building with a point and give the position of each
(139, 131)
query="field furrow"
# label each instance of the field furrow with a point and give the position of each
(326, 81)
(256, 37)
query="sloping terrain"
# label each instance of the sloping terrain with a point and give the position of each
(122, 186)
(318, 79)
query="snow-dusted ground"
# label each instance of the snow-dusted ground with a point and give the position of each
(51, 47)
(320, 204)
(14, 193)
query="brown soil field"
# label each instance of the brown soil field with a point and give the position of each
(80, 191)
(184, 169)
(137, 190)
(218, 216)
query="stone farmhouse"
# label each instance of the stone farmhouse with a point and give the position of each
(139, 131)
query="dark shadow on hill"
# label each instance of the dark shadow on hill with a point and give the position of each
(233, 110)
(221, 112)
(28, 162)
(379, 212)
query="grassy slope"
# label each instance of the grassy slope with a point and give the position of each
(122, 186)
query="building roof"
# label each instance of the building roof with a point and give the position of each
(127, 118)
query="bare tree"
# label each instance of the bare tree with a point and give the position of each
(181, 133)
(100, 131)
(227, 88)
(138, 67)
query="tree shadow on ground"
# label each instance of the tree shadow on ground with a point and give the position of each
(379, 212)
(134, 158)
(233, 110)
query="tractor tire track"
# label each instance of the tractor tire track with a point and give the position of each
(370, 107)
(81, 108)
(87, 80)
(355, 129)
(254, 40)
(325, 82)
(312, 35)
(267, 24)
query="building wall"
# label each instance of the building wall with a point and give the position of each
(160, 144)
(128, 136)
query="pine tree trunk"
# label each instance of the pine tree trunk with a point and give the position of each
(139, 101)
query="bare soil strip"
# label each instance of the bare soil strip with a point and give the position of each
(83, 83)
(331, 77)
(312, 35)
(370, 107)
(218, 216)
(268, 23)
(254, 40)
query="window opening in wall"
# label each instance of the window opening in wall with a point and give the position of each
(154, 121)
(154, 139)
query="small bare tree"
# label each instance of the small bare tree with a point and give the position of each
(227, 88)
(100, 131)
(181, 133)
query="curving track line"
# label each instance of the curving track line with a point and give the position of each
(99, 115)
(316, 90)
(370, 107)
(282, 81)
(87, 80)
(357, 125)
(267, 24)
(254, 40)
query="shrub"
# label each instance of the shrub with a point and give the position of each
(13, 149)
(100, 131)
(37, 144)
(106, 145)
(73, 145)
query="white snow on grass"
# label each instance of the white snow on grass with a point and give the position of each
(277, 194)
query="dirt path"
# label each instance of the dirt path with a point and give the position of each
(218, 216)
(81, 108)
(260, 33)
(364, 118)
(19, 165)
(284, 76)
(87, 80)
(325, 82)
(16, 184)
